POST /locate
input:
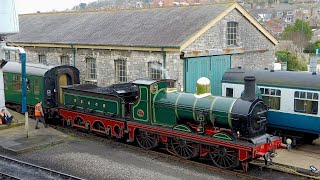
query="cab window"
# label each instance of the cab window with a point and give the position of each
(229, 92)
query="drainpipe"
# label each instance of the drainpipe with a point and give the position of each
(164, 66)
(74, 55)
(23, 60)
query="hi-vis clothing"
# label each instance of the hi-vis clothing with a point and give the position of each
(38, 110)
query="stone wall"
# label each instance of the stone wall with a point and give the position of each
(260, 51)
(137, 62)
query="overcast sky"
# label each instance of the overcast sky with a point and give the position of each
(32, 6)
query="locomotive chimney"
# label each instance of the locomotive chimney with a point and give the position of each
(249, 93)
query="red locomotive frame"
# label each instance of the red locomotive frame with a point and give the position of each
(119, 128)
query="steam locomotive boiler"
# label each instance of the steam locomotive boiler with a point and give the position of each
(245, 116)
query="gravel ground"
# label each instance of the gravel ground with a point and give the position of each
(96, 160)
(18, 171)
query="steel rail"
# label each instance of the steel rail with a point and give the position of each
(7, 176)
(46, 170)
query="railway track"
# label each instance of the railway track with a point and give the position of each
(287, 169)
(7, 176)
(157, 154)
(52, 173)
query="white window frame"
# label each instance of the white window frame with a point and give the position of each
(120, 66)
(91, 69)
(314, 98)
(42, 59)
(270, 94)
(232, 33)
(65, 60)
(155, 70)
(280, 13)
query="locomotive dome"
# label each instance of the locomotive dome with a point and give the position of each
(203, 87)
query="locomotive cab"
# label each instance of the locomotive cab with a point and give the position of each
(54, 80)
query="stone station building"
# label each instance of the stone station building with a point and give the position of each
(182, 43)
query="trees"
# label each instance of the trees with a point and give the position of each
(299, 33)
(82, 5)
(293, 63)
(311, 48)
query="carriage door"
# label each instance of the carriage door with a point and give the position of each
(63, 81)
(212, 67)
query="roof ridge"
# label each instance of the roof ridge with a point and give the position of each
(130, 9)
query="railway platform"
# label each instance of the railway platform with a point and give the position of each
(13, 137)
(302, 161)
(301, 158)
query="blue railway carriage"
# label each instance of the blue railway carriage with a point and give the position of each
(292, 99)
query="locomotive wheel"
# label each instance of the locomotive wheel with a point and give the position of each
(183, 148)
(224, 157)
(147, 140)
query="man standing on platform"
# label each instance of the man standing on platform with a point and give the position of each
(38, 112)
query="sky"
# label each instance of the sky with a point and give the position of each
(32, 6)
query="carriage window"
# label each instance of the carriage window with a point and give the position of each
(36, 87)
(5, 82)
(28, 84)
(16, 83)
(306, 102)
(229, 92)
(271, 97)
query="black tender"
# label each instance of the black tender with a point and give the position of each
(119, 90)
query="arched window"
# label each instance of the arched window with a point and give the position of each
(232, 33)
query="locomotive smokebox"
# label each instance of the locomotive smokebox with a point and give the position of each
(249, 88)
